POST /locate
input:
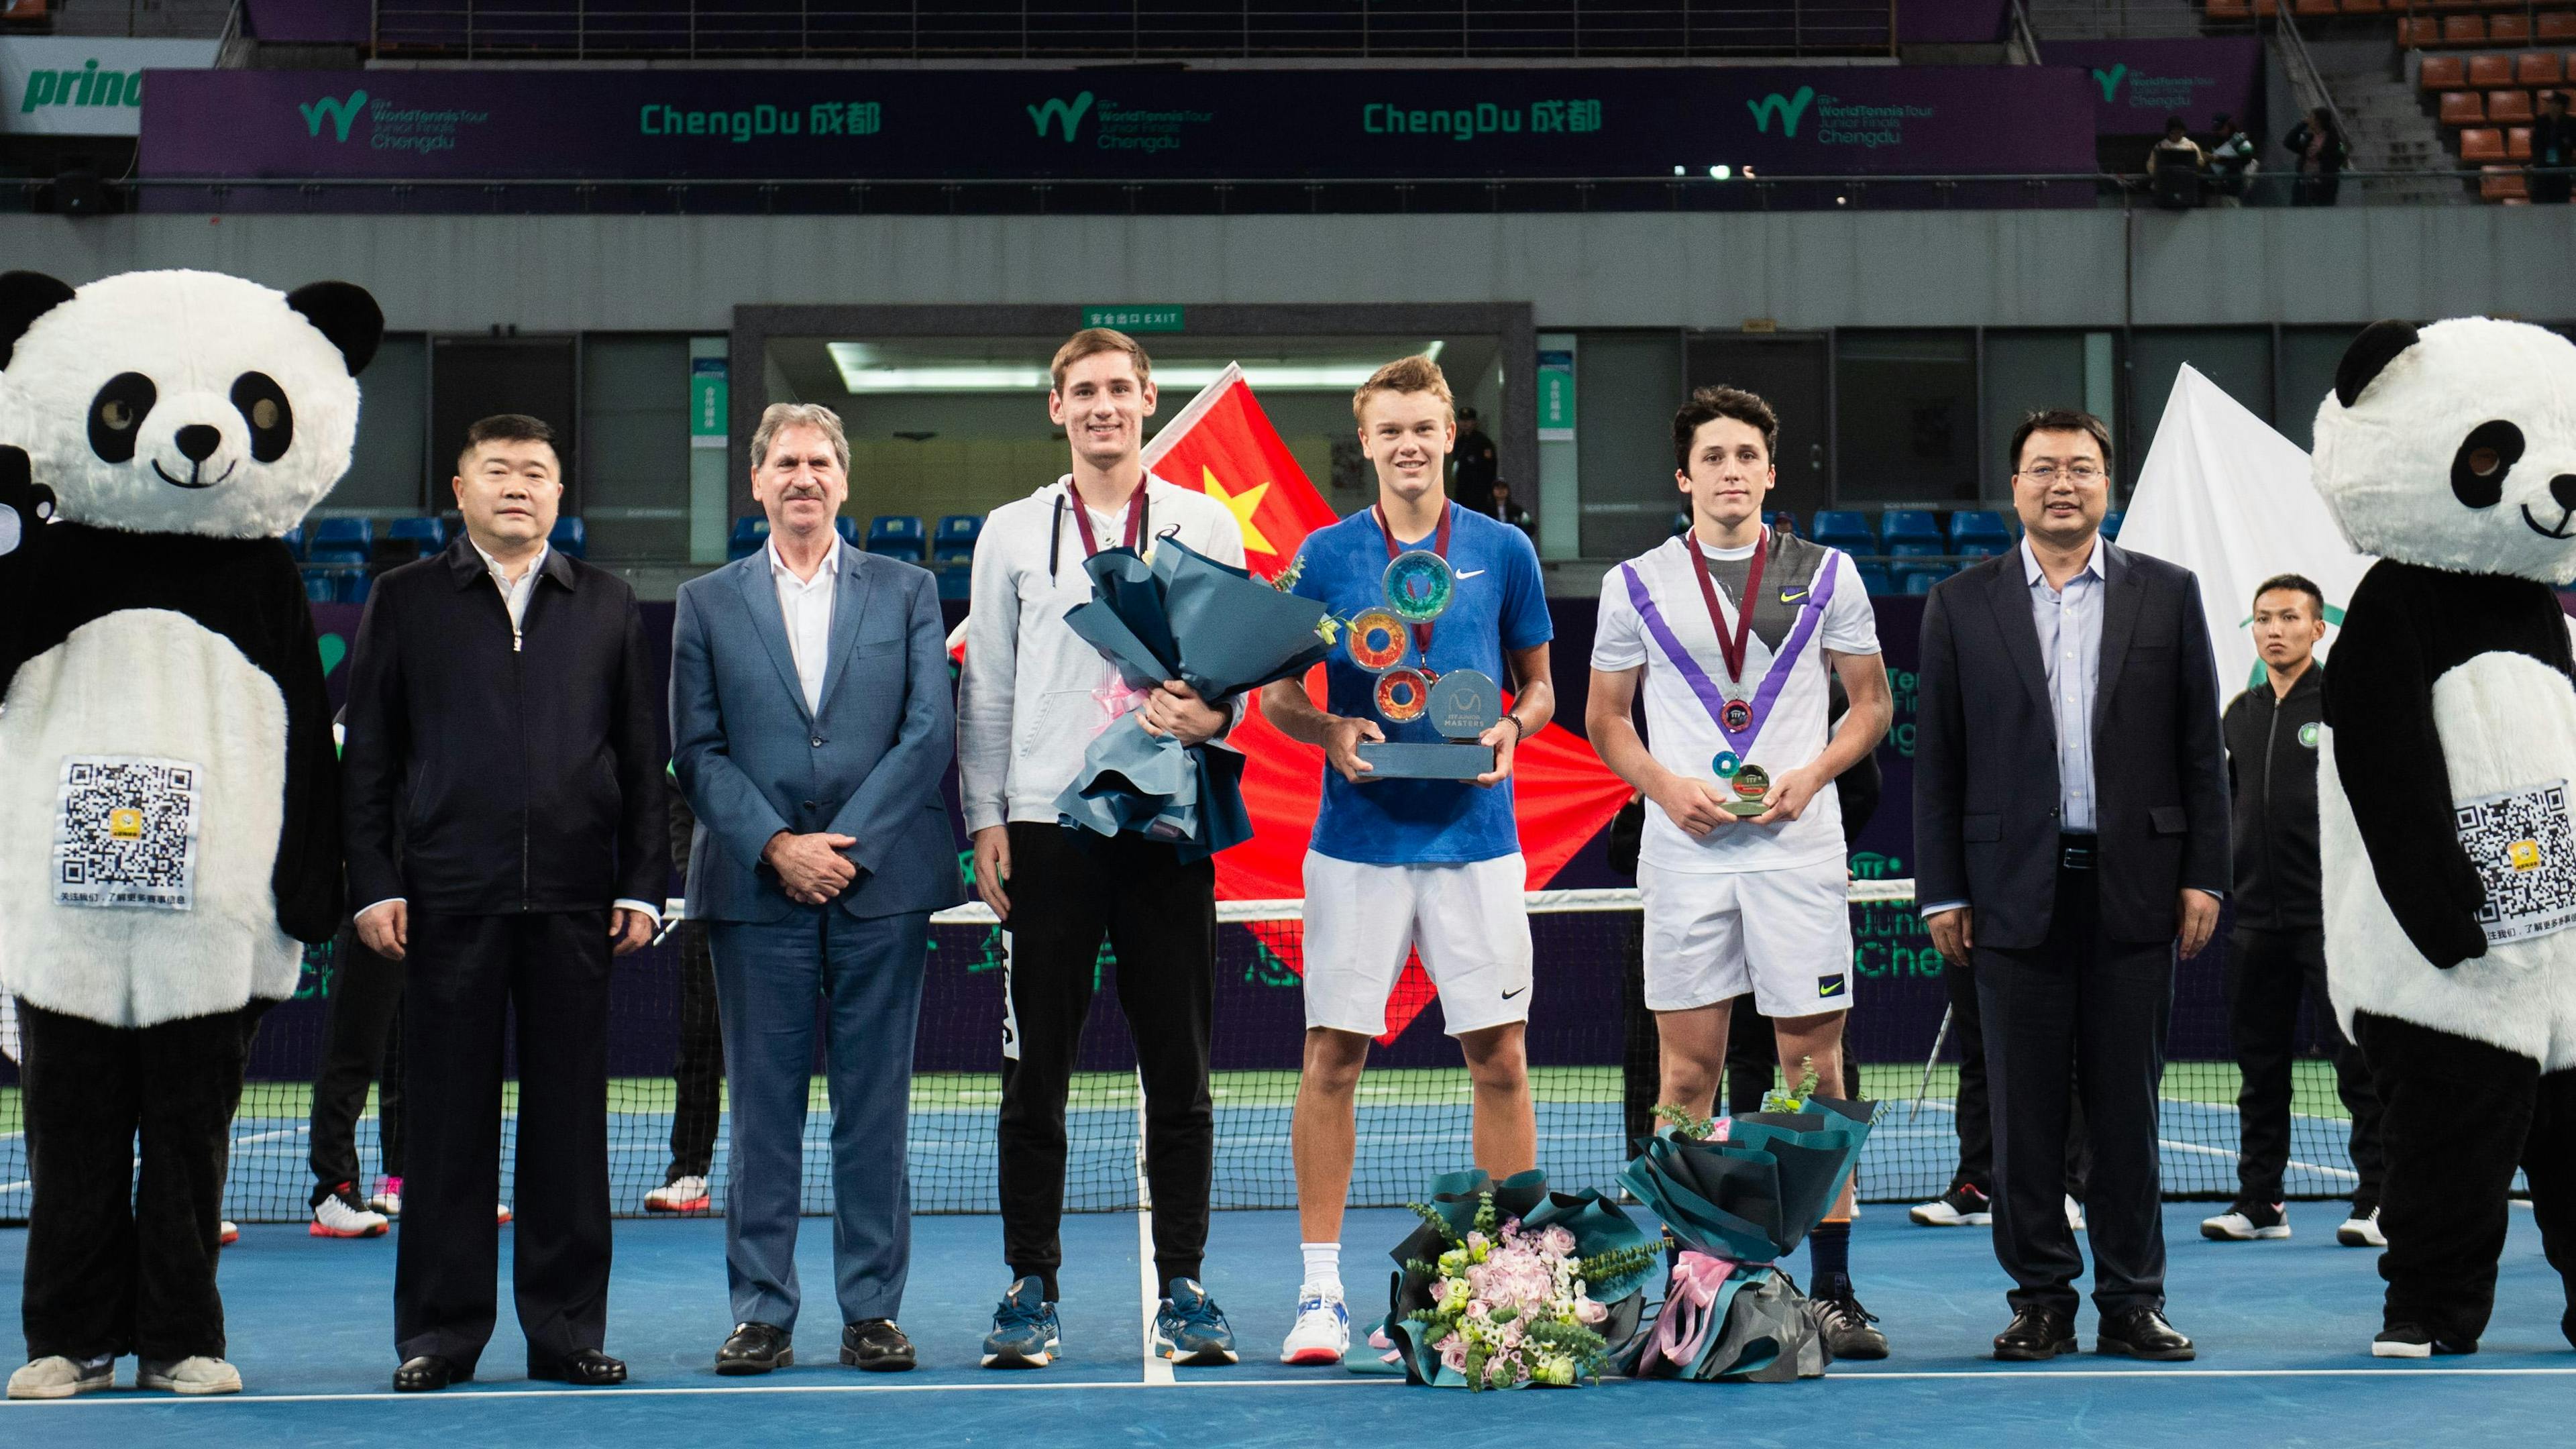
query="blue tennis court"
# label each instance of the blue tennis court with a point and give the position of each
(2282, 1328)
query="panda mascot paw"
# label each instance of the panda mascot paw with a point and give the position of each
(169, 800)
(2445, 779)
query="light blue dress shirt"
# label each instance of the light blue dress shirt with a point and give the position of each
(2069, 621)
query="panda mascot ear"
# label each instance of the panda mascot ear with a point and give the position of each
(347, 315)
(24, 297)
(2369, 355)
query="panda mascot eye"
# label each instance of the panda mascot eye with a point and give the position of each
(263, 405)
(116, 416)
(2486, 455)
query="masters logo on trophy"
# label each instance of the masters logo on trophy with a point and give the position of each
(1461, 704)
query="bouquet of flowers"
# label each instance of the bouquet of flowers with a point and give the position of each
(1216, 628)
(1737, 1195)
(1509, 1285)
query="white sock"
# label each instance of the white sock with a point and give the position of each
(1323, 1268)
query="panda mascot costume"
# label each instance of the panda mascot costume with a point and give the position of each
(169, 802)
(2445, 779)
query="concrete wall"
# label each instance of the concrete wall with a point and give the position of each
(2091, 268)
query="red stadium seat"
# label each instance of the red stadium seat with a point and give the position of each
(2463, 108)
(2266, 8)
(2231, 9)
(2557, 25)
(2502, 183)
(2314, 7)
(2481, 143)
(2517, 143)
(2444, 73)
(2464, 30)
(2414, 32)
(2490, 72)
(2448, 4)
(2508, 29)
(2508, 106)
(2536, 68)
(2363, 7)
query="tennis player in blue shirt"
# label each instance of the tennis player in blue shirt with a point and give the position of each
(1404, 865)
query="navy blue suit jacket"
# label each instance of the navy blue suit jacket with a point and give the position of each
(754, 761)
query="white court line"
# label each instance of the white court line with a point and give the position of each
(383, 1396)
(1149, 1287)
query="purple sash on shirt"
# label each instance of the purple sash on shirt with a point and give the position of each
(1820, 592)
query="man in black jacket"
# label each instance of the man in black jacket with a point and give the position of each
(2276, 952)
(2070, 829)
(501, 699)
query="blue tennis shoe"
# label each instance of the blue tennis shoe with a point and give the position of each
(1190, 1329)
(1025, 1332)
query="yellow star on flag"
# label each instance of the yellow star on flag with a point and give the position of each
(1242, 505)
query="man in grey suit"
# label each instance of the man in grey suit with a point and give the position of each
(811, 720)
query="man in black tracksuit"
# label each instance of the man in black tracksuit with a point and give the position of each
(502, 723)
(2276, 952)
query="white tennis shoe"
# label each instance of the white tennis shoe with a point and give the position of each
(1323, 1330)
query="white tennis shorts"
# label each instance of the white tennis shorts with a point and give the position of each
(1467, 919)
(1784, 935)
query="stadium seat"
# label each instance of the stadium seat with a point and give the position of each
(2266, 9)
(848, 528)
(1920, 581)
(352, 534)
(1846, 529)
(425, 535)
(2443, 73)
(2490, 72)
(354, 587)
(2508, 29)
(2557, 25)
(1918, 548)
(953, 541)
(1874, 579)
(2111, 522)
(2414, 32)
(2447, 4)
(321, 586)
(293, 538)
(2484, 143)
(747, 537)
(2537, 68)
(2502, 183)
(2231, 10)
(2463, 108)
(2517, 143)
(1979, 533)
(2464, 30)
(896, 535)
(2363, 7)
(1909, 525)
(2508, 106)
(570, 538)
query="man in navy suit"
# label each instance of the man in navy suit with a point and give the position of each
(811, 720)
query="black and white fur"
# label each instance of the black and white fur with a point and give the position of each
(2450, 452)
(172, 425)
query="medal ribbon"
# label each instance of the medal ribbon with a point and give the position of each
(1135, 519)
(1731, 650)
(1439, 546)
(1820, 593)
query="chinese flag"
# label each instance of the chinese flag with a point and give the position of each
(1223, 445)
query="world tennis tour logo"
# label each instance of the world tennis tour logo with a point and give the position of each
(1058, 110)
(1838, 122)
(1115, 127)
(1788, 110)
(340, 111)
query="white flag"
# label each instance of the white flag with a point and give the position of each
(2228, 498)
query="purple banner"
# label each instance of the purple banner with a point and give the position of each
(2135, 84)
(1112, 125)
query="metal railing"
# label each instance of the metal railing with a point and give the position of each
(1137, 30)
(2305, 78)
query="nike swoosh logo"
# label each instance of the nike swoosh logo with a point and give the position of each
(1508, 995)
(1472, 573)
(1787, 597)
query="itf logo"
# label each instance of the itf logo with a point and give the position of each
(340, 111)
(1057, 109)
(1788, 109)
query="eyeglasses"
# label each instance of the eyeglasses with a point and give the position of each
(2047, 473)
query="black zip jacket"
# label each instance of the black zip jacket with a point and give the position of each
(2272, 777)
(521, 771)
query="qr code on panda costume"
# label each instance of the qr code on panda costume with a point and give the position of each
(126, 833)
(2525, 850)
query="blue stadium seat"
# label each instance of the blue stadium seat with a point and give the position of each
(1875, 579)
(1846, 529)
(956, 581)
(344, 533)
(1917, 548)
(1773, 517)
(570, 537)
(953, 541)
(897, 535)
(747, 537)
(1981, 533)
(354, 587)
(337, 554)
(848, 528)
(1920, 581)
(293, 538)
(426, 535)
(321, 586)
(1909, 525)
(2111, 522)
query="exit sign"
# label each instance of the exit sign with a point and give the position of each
(1135, 319)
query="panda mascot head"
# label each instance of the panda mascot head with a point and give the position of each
(2453, 446)
(183, 402)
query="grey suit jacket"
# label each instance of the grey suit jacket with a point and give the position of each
(754, 761)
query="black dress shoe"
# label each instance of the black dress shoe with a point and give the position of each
(588, 1368)
(875, 1344)
(428, 1374)
(2036, 1334)
(755, 1348)
(2142, 1333)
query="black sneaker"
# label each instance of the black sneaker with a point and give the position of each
(1845, 1326)
(2247, 1222)
(1963, 1206)
(2413, 1340)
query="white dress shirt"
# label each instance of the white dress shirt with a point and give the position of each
(806, 605)
(515, 594)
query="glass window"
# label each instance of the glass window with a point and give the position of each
(2309, 356)
(1905, 417)
(2025, 372)
(1626, 385)
(2238, 359)
(386, 478)
(635, 446)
